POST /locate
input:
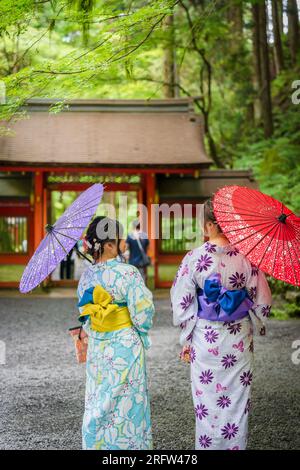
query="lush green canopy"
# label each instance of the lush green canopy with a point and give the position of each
(151, 49)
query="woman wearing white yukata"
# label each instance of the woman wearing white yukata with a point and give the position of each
(217, 297)
(117, 309)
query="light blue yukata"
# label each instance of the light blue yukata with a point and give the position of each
(117, 407)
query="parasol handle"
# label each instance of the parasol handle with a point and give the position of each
(83, 256)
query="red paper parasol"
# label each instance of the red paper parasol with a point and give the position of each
(262, 228)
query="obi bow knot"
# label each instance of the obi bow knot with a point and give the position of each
(105, 316)
(96, 302)
(229, 300)
(218, 303)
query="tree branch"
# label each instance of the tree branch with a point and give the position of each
(111, 59)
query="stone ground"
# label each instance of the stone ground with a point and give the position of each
(42, 386)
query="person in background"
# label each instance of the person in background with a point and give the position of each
(67, 265)
(137, 244)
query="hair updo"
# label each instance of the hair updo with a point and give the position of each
(209, 215)
(103, 230)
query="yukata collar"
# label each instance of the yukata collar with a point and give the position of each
(107, 262)
(229, 248)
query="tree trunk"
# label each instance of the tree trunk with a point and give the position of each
(272, 63)
(280, 15)
(211, 143)
(265, 91)
(235, 16)
(169, 66)
(279, 60)
(293, 32)
(204, 104)
(256, 62)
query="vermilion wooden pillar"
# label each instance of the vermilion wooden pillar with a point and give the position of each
(45, 206)
(38, 208)
(150, 181)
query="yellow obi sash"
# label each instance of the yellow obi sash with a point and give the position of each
(105, 316)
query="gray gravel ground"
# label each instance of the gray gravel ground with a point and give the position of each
(42, 386)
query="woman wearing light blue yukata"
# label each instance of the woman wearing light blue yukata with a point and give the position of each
(117, 311)
(217, 298)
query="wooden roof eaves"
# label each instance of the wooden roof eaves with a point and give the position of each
(120, 106)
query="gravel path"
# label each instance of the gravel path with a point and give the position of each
(42, 386)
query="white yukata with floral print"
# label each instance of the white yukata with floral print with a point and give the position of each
(117, 408)
(221, 353)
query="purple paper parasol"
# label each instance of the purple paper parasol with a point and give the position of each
(61, 238)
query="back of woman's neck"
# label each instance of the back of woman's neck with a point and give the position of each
(104, 259)
(219, 240)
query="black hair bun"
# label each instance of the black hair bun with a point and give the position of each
(100, 231)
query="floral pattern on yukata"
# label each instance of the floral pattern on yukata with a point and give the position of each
(221, 353)
(117, 407)
(221, 386)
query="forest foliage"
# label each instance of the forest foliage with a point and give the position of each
(238, 59)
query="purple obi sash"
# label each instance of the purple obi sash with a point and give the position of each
(216, 303)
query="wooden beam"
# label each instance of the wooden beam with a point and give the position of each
(168, 258)
(45, 205)
(96, 169)
(11, 258)
(9, 285)
(163, 284)
(82, 186)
